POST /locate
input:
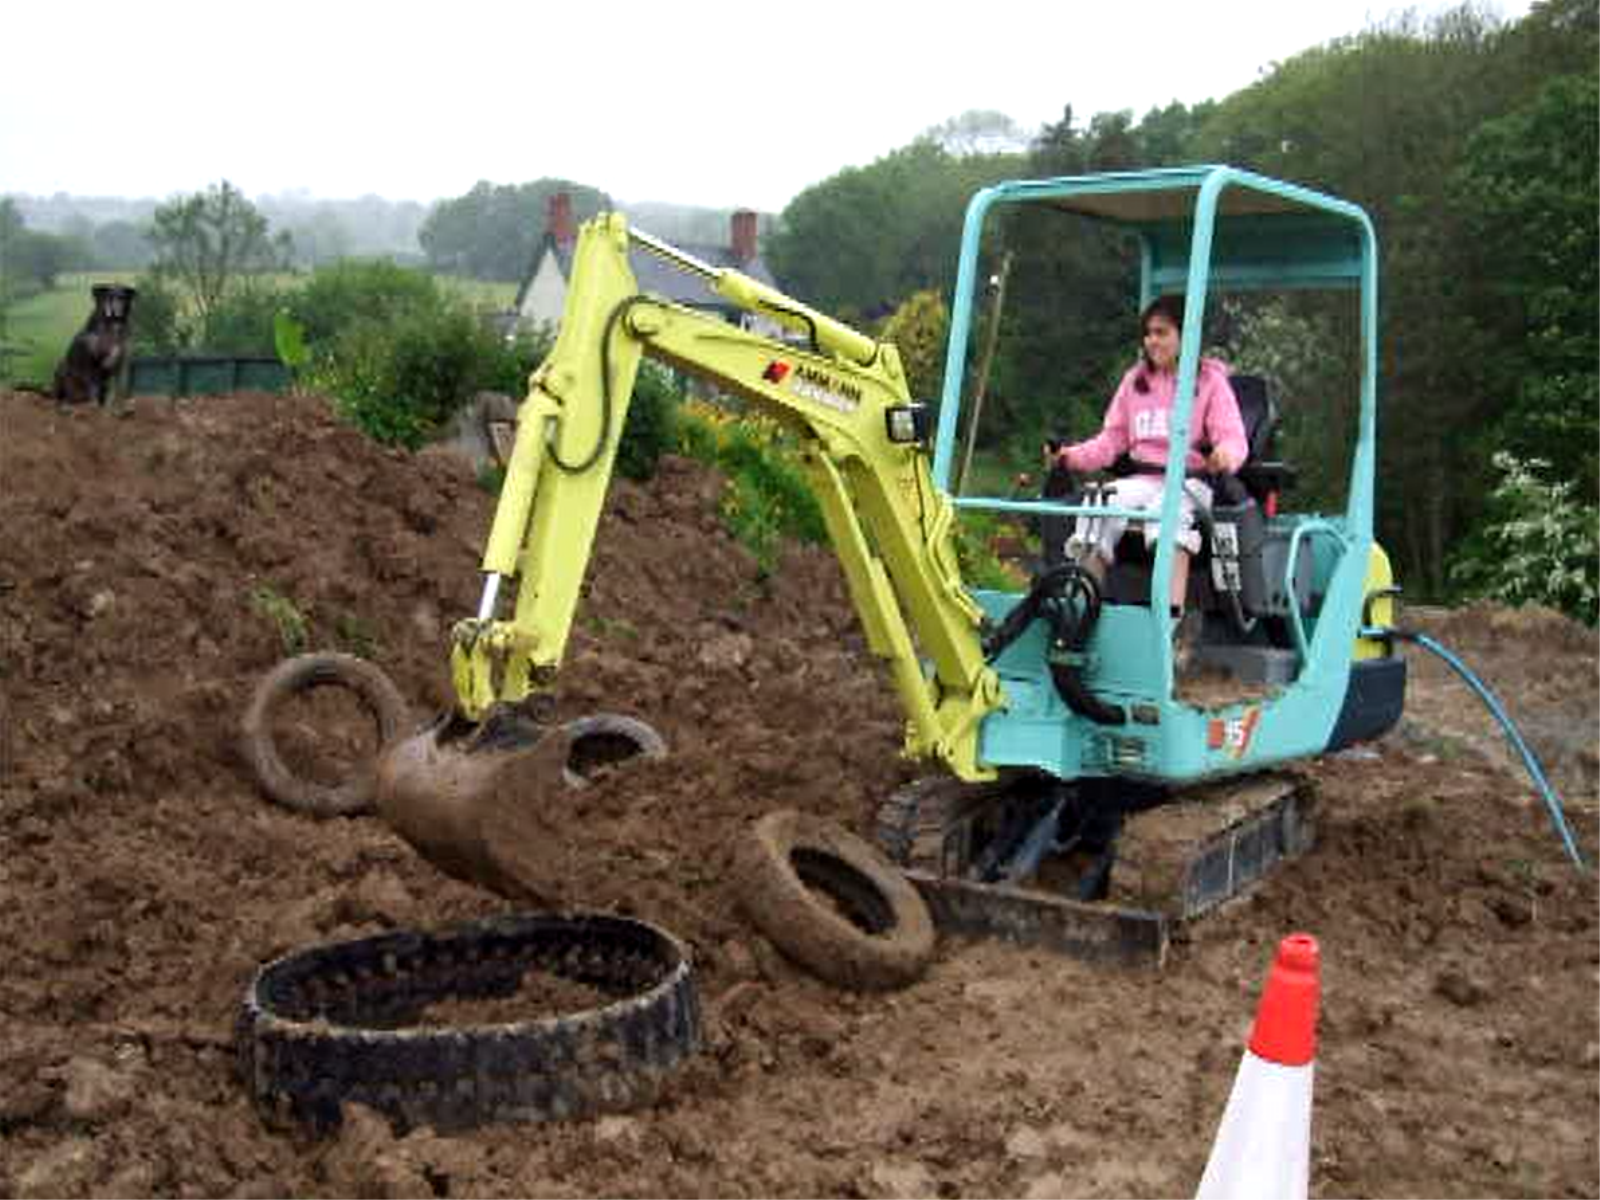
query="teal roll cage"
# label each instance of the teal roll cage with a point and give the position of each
(1198, 228)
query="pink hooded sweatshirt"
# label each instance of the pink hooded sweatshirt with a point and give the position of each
(1137, 422)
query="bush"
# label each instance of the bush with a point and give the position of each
(356, 292)
(401, 380)
(651, 429)
(768, 495)
(158, 327)
(242, 321)
(976, 534)
(1541, 545)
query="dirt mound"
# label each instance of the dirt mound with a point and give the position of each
(154, 566)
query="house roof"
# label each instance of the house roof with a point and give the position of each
(658, 277)
(661, 278)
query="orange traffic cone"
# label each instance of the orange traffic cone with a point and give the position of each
(1263, 1146)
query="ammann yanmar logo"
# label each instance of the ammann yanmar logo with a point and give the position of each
(838, 394)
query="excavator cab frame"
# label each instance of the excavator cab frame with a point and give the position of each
(1201, 230)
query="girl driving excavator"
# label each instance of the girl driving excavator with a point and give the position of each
(1136, 424)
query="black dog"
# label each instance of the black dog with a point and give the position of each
(97, 350)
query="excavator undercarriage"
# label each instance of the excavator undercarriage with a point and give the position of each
(1092, 868)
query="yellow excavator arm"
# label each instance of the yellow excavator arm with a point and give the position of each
(845, 397)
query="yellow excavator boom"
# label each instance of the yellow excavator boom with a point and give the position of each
(862, 440)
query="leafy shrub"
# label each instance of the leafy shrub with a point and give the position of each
(158, 327)
(509, 366)
(768, 496)
(398, 353)
(651, 429)
(242, 321)
(401, 379)
(355, 292)
(294, 630)
(976, 534)
(918, 329)
(1541, 545)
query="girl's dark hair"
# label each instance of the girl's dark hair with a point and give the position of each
(1169, 306)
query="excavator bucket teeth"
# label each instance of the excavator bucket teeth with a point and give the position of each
(469, 799)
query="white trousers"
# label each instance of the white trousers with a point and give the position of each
(1144, 492)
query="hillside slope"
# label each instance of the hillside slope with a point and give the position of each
(150, 567)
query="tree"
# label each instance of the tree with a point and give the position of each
(918, 329)
(978, 132)
(12, 230)
(1528, 185)
(208, 240)
(31, 261)
(1382, 119)
(120, 246)
(863, 240)
(493, 231)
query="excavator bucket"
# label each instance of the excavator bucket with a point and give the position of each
(476, 799)
(468, 798)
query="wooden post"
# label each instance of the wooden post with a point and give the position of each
(991, 336)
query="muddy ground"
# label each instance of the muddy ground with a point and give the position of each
(153, 566)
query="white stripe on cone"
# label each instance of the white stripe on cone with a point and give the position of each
(1263, 1145)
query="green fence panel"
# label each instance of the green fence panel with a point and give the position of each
(206, 375)
(153, 377)
(261, 375)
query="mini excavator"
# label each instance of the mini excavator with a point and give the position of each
(1050, 714)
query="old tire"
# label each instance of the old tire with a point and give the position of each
(602, 739)
(832, 903)
(295, 675)
(347, 1022)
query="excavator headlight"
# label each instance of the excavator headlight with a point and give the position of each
(908, 423)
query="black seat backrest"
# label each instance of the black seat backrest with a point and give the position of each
(1259, 412)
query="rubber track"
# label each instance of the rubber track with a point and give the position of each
(914, 824)
(339, 1023)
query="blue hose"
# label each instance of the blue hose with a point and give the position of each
(1552, 802)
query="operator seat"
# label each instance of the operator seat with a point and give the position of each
(1264, 477)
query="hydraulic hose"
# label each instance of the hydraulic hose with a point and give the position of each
(1552, 802)
(1067, 599)
(607, 401)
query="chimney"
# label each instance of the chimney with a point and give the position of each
(743, 235)
(558, 219)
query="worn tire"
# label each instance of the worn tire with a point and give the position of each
(604, 738)
(344, 1023)
(295, 675)
(832, 903)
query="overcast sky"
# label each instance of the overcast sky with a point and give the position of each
(700, 103)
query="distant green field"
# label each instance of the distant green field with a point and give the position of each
(486, 292)
(42, 326)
